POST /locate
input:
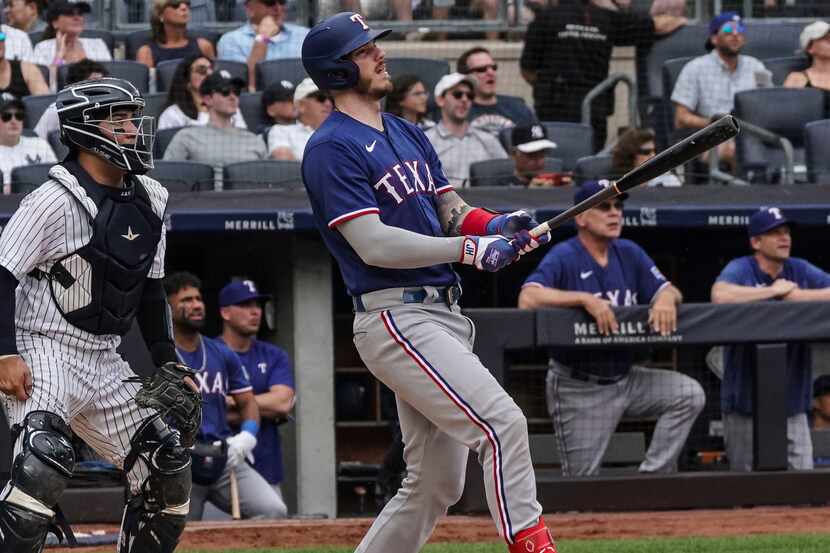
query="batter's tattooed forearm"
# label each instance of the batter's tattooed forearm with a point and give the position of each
(452, 210)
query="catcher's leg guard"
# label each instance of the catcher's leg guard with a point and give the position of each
(536, 539)
(39, 475)
(154, 519)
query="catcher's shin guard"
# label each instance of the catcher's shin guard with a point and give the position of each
(154, 519)
(39, 475)
(536, 539)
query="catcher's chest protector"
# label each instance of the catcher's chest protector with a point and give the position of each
(98, 287)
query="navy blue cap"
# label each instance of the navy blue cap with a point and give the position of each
(821, 385)
(591, 187)
(766, 219)
(240, 291)
(719, 21)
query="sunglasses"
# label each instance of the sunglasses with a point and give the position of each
(646, 151)
(319, 96)
(7, 116)
(228, 90)
(730, 28)
(608, 206)
(458, 94)
(201, 69)
(484, 68)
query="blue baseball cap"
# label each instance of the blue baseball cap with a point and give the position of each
(719, 21)
(821, 385)
(240, 291)
(591, 187)
(766, 219)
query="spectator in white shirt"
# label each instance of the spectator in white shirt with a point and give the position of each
(81, 71)
(25, 15)
(185, 106)
(17, 150)
(18, 44)
(313, 107)
(62, 42)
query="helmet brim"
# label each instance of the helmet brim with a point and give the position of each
(360, 41)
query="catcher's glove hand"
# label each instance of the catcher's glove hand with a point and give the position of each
(167, 392)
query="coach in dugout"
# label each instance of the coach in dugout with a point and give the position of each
(768, 274)
(588, 392)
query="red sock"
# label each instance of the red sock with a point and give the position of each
(536, 539)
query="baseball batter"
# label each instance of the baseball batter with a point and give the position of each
(85, 254)
(394, 224)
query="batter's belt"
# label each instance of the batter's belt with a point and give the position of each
(390, 297)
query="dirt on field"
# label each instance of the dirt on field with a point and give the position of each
(347, 532)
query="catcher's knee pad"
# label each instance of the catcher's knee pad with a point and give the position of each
(145, 530)
(168, 486)
(39, 475)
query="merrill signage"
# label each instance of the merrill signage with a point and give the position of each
(630, 332)
(728, 220)
(284, 221)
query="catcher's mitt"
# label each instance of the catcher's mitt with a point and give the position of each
(168, 393)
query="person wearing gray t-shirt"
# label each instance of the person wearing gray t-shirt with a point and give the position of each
(219, 143)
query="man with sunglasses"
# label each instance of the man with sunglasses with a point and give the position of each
(457, 143)
(313, 106)
(266, 36)
(17, 150)
(588, 392)
(219, 143)
(395, 225)
(81, 260)
(706, 87)
(490, 111)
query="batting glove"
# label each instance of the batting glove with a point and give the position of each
(240, 446)
(511, 224)
(527, 243)
(488, 253)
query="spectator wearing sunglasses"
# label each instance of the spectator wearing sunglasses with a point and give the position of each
(278, 105)
(313, 107)
(168, 35)
(635, 147)
(456, 142)
(490, 111)
(219, 143)
(17, 150)
(588, 392)
(19, 78)
(184, 106)
(25, 15)
(62, 42)
(706, 87)
(266, 36)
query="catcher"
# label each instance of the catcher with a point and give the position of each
(84, 254)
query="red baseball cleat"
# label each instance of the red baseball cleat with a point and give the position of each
(536, 539)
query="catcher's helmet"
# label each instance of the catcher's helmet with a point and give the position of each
(327, 44)
(84, 105)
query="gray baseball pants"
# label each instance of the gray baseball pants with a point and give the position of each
(257, 499)
(737, 429)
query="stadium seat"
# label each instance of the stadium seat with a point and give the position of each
(164, 74)
(28, 177)
(250, 104)
(106, 36)
(58, 147)
(573, 141)
(163, 138)
(783, 111)
(135, 40)
(593, 168)
(781, 67)
(183, 176)
(272, 173)
(670, 72)
(816, 139)
(772, 39)
(136, 73)
(429, 70)
(35, 106)
(288, 69)
(491, 171)
(155, 104)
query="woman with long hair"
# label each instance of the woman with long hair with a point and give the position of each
(635, 147)
(62, 42)
(184, 107)
(408, 99)
(169, 39)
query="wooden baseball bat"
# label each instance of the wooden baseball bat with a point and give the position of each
(686, 150)
(235, 514)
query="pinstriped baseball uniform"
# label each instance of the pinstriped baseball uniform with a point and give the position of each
(76, 374)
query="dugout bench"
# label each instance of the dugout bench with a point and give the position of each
(769, 324)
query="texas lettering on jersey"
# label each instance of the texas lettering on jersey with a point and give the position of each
(400, 183)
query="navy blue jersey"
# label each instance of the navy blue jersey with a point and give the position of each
(218, 373)
(740, 361)
(267, 365)
(630, 278)
(351, 169)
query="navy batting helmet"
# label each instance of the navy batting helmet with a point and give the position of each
(327, 44)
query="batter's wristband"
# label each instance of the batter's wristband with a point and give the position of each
(475, 223)
(251, 426)
(469, 248)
